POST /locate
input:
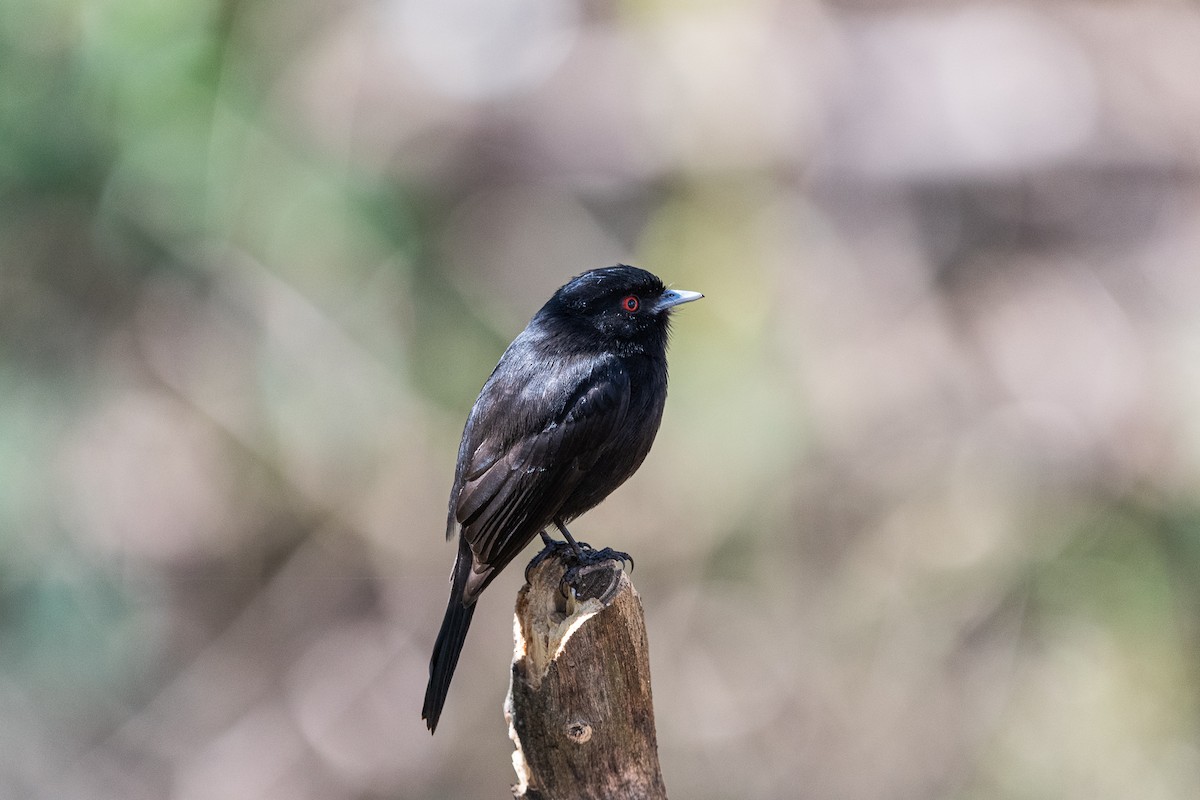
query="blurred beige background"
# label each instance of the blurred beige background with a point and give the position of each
(922, 518)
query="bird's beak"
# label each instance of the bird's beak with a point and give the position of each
(674, 297)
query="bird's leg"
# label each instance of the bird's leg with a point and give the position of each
(558, 523)
(550, 547)
(581, 552)
(585, 554)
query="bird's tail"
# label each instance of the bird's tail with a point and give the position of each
(450, 640)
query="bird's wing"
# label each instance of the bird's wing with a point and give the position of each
(510, 493)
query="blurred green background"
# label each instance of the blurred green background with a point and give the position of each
(922, 519)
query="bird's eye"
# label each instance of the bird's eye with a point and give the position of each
(631, 303)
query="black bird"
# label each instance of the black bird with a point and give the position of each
(566, 417)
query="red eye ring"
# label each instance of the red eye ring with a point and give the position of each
(631, 303)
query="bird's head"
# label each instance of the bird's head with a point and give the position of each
(627, 306)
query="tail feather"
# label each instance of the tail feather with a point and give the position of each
(449, 645)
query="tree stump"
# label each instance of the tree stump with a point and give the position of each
(579, 708)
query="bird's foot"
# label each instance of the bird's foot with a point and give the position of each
(591, 573)
(552, 547)
(579, 556)
(586, 557)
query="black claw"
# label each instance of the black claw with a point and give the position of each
(580, 554)
(590, 557)
(608, 554)
(553, 547)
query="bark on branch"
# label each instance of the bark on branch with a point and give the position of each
(579, 708)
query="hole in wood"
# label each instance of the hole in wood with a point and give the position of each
(579, 731)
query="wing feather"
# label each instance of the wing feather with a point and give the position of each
(510, 493)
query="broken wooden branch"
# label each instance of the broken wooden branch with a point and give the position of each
(579, 706)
